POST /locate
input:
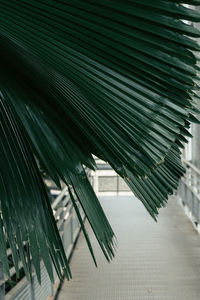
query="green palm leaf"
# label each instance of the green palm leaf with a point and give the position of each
(116, 79)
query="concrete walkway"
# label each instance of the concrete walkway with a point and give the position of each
(154, 261)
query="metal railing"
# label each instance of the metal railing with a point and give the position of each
(107, 182)
(189, 193)
(69, 228)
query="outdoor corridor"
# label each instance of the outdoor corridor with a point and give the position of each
(153, 261)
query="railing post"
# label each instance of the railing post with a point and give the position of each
(96, 182)
(72, 224)
(2, 285)
(117, 185)
(32, 291)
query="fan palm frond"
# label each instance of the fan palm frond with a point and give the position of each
(116, 79)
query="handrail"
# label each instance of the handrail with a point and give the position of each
(193, 167)
(68, 226)
(189, 192)
(59, 198)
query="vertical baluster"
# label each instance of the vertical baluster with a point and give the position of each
(2, 285)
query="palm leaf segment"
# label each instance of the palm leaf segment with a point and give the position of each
(112, 78)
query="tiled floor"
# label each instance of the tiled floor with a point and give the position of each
(154, 260)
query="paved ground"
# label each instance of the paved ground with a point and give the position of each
(154, 261)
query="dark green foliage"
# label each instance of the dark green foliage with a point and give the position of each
(116, 79)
